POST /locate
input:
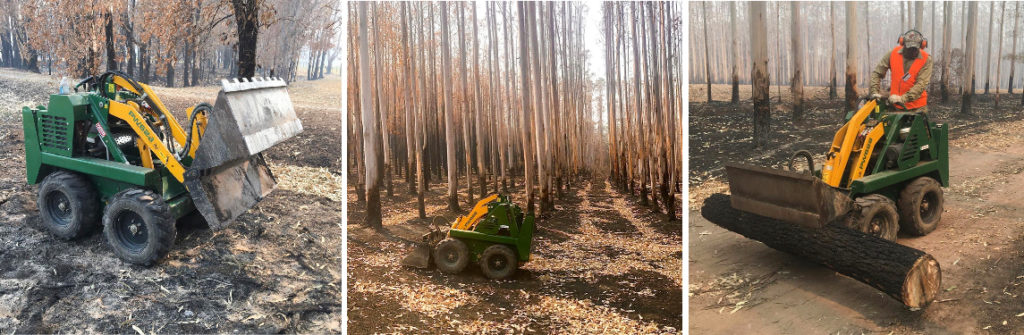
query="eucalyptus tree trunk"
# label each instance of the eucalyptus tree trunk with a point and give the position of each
(999, 54)
(476, 102)
(409, 107)
(449, 110)
(420, 111)
(972, 33)
(1013, 47)
(527, 114)
(988, 53)
(735, 54)
(947, 29)
(707, 42)
(832, 94)
(371, 134)
(797, 83)
(759, 72)
(851, 56)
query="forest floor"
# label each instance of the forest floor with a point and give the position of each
(276, 269)
(601, 263)
(740, 285)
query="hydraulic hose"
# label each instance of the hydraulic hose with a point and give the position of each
(201, 107)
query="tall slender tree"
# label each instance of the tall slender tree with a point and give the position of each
(947, 48)
(851, 55)
(999, 53)
(449, 111)
(759, 72)
(797, 83)
(733, 25)
(371, 134)
(972, 32)
(988, 53)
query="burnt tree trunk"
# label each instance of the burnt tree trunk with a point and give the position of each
(759, 73)
(247, 18)
(910, 276)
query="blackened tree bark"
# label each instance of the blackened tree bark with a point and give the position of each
(759, 73)
(108, 31)
(247, 18)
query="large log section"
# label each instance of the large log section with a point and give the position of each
(909, 275)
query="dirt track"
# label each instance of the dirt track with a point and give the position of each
(738, 285)
(600, 263)
(274, 270)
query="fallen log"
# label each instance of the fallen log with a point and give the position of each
(909, 275)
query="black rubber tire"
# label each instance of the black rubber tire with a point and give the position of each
(498, 262)
(920, 206)
(68, 204)
(153, 233)
(877, 216)
(451, 256)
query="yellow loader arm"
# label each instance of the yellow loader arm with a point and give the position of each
(846, 143)
(469, 221)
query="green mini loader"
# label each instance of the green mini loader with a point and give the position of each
(496, 234)
(111, 152)
(883, 173)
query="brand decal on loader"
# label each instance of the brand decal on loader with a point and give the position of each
(141, 126)
(99, 130)
(864, 158)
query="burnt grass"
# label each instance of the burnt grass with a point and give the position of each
(721, 132)
(275, 269)
(502, 302)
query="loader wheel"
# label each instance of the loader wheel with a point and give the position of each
(451, 256)
(68, 204)
(877, 217)
(920, 206)
(138, 226)
(498, 262)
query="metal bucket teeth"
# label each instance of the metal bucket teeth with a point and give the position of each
(229, 175)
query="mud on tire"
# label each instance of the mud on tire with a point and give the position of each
(68, 204)
(138, 226)
(498, 262)
(451, 256)
(876, 215)
(920, 206)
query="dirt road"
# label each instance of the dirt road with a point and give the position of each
(274, 270)
(739, 285)
(600, 263)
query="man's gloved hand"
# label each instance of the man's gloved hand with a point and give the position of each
(896, 99)
(875, 96)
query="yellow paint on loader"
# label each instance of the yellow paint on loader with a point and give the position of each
(843, 144)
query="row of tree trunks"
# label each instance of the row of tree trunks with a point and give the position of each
(443, 120)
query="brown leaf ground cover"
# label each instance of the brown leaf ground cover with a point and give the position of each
(601, 263)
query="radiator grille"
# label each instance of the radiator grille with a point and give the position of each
(53, 132)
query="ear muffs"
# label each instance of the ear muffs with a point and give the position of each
(924, 41)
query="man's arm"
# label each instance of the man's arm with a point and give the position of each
(876, 76)
(923, 78)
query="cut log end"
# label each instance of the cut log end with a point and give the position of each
(922, 282)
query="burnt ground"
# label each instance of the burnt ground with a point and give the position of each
(274, 270)
(601, 263)
(738, 285)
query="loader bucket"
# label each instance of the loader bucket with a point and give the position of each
(784, 195)
(229, 175)
(420, 255)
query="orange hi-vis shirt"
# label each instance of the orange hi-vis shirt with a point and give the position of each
(901, 81)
